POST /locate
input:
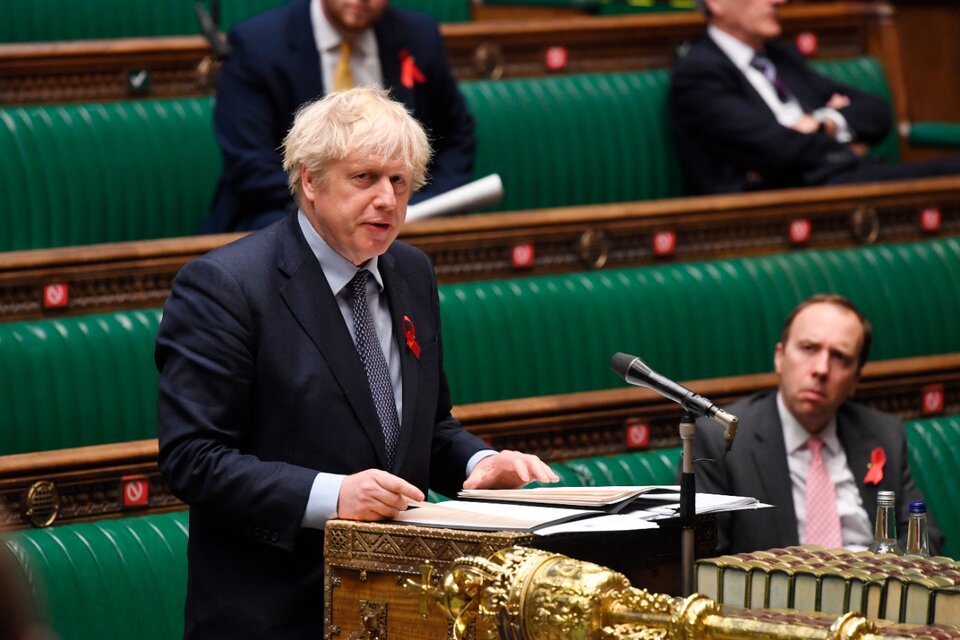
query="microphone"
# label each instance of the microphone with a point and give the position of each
(635, 371)
(211, 32)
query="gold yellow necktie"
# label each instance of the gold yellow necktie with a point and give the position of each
(342, 76)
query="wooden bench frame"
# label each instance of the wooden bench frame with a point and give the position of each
(99, 278)
(72, 485)
(91, 70)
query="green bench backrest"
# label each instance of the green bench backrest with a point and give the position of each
(105, 172)
(596, 138)
(656, 466)
(556, 334)
(92, 173)
(118, 579)
(577, 139)
(41, 20)
(934, 446)
(80, 381)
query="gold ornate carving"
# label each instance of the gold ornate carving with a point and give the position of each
(42, 503)
(373, 621)
(423, 589)
(488, 61)
(594, 248)
(537, 595)
(865, 224)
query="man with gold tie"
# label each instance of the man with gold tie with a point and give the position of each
(304, 49)
(806, 448)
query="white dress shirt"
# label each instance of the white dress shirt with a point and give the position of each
(364, 62)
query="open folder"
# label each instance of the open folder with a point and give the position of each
(542, 508)
(489, 516)
(613, 499)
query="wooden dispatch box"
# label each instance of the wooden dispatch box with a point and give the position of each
(366, 565)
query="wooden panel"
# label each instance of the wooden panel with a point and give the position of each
(94, 70)
(178, 66)
(475, 247)
(641, 41)
(92, 482)
(930, 34)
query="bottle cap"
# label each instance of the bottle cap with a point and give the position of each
(886, 496)
(918, 507)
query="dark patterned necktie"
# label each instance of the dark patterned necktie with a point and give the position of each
(371, 355)
(763, 64)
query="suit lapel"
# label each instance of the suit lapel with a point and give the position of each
(389, 43)
(304, 61)
(308, 296)
(397, 290)
(737, 75)
(770, 459)
(857, 444)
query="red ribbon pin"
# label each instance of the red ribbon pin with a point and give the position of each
(410, 333)
(409, 71)
(878, 458)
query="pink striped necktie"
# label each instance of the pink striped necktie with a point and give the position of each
(823, 521)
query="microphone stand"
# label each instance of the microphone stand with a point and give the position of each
(688, 505)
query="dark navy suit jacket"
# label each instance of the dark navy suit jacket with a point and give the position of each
(261, 387)
(274, 68)
(756, 466)
(730, 141)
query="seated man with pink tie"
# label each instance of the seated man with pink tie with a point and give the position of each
(806, 448)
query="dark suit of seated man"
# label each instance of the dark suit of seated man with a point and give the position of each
(290, 55)
(788, 438)
(301, 378)
(747, 112)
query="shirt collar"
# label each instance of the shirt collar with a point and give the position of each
(328, 39)
(338, 270)
(739, 52)
(795, 436)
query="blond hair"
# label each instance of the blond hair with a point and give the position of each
(361, 120)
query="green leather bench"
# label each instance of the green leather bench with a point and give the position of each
(118, 579)
(78, 381)
(555, 334)
(147, 169)
(105, 172)
(91, 380)
(656, 466)
(42, 20)
(934, 445)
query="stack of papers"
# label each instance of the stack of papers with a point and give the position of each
(550, 510)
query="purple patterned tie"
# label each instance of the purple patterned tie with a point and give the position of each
(371, 355)
(763, 64)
